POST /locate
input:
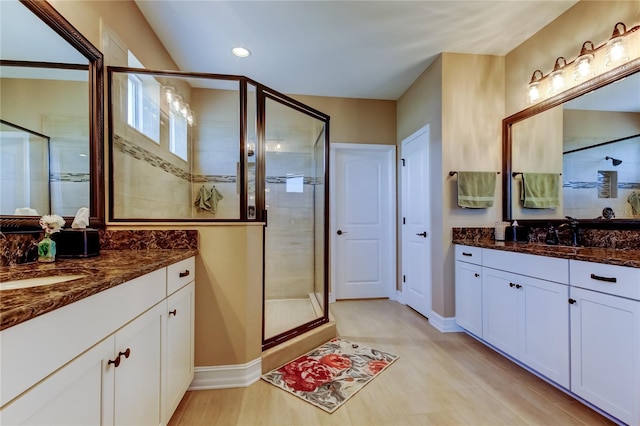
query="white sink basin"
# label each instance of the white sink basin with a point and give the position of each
(37, 281)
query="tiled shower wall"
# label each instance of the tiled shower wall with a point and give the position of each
(584, 186)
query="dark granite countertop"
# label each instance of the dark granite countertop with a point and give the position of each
(109, 269)
(622, 257)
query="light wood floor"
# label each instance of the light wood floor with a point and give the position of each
(440, 379)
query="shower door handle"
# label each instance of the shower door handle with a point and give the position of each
(340, 232)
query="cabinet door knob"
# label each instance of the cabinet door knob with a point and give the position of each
(572, 301)
(512, 285)
(518, 286)
(184, 274)
(115, 362)
(174, 312)
(125, 353)
(476, 275)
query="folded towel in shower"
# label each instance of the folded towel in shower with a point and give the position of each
(215, 197)
(207, 199)
(476, 190)
(634, 200)
(203, 200)
(540, 190)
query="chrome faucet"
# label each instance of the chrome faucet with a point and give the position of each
(574, 225)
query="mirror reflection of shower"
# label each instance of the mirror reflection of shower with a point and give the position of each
(614, 161)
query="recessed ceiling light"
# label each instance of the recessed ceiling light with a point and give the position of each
(240, 52)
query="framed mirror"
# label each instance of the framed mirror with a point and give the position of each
(52, 90)
(590, 136)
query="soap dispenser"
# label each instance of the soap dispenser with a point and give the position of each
(552, 236)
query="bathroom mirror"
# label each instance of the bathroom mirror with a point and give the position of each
(51, 84)
(590, 135)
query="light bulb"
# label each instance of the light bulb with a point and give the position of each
(557, 82)
(177, 102)
(169, 93)
(534, 92)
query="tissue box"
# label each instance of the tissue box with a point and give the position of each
(72, 243)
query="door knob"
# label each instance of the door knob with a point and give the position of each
(340, 232)
(422, 234)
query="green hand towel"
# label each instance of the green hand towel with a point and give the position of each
(203, 200)
(540, 190)
(207, 199)
(476, 190)
(634, 200)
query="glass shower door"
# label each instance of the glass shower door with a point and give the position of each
(294, 281)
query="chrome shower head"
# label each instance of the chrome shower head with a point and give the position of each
(615, 161)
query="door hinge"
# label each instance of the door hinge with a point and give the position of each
(404, 278)
(404, 220)
(402, 159)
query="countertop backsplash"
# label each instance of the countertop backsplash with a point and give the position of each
(623, 239)
(18, 248)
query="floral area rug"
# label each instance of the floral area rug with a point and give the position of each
(331, 374)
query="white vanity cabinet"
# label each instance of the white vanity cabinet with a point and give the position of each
(136, 390)
(102, 360)
(178, 369)
(71, 396)
(523, 316)
(527, 318)
(469, 289)
(605, 337)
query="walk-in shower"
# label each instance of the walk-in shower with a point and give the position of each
(294, 294)
(201, 147)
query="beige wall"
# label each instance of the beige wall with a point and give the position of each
(460, 97)
(123, 17)
(356, 120)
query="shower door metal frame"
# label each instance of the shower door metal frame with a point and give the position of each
(264, 93)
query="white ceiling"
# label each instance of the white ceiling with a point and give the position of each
(356, 49)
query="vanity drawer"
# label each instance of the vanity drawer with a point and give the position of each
(612, 279)
(542, 267)
(469, 254)
(180, 274)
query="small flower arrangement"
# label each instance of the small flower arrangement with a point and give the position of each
(51, 224)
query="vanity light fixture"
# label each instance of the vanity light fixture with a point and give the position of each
(583, 68)
(240, 52)
(617, 46)
(533, 89)
(557, 76)
(176, 104)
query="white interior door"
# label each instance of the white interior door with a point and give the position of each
(416, 239)
(363, 207)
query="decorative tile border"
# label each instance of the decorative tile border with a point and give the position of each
(129, 148)
(69, 177)
(588, 185)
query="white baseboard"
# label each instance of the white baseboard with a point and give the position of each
(444, 325)
(227, 376)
